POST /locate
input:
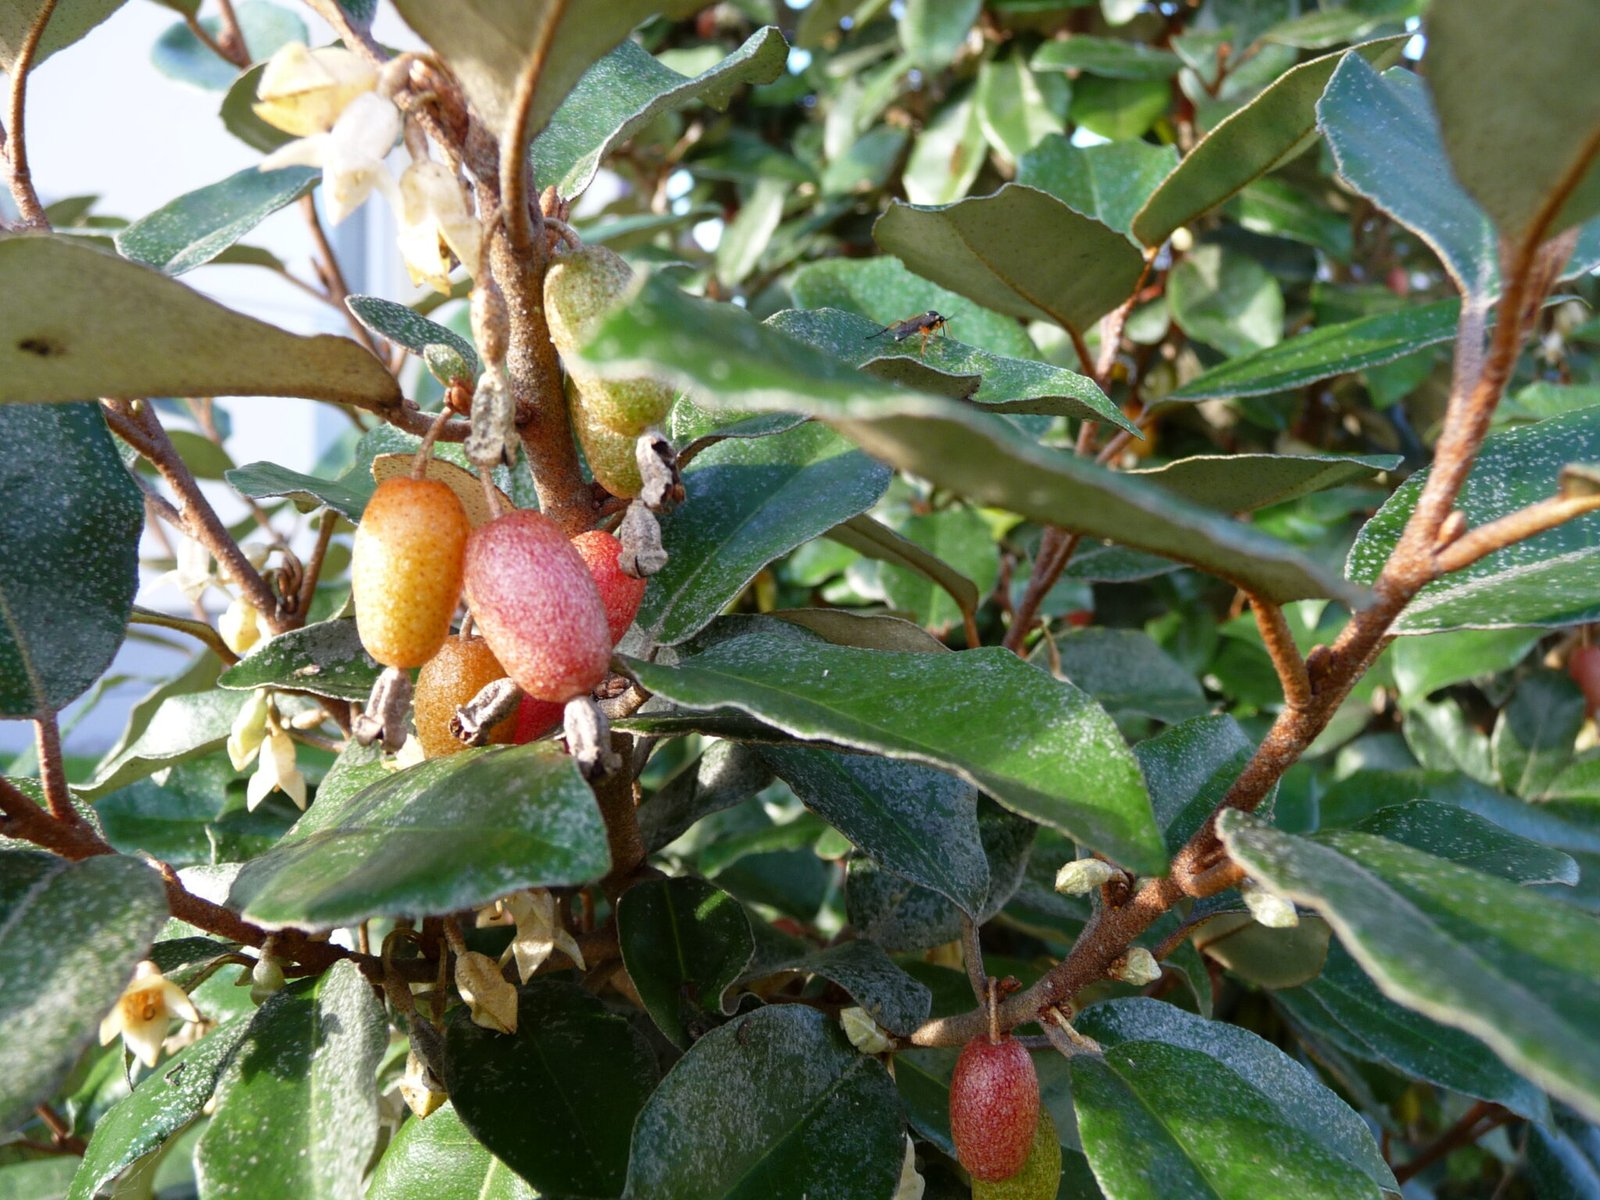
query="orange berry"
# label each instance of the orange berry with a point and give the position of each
(537, 606)
(620, 593)
(994, 1107)
(405, 570)
(462, 668)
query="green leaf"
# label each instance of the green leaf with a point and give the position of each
(162, 1105)
(970, 453)
(913, 820)
(1563, 1157)
(1423, 666)
(406, 327)
(106, 327)
(876, 541)
(1075, 774)
(70, 936)
(437, 1158)
(450, 834)
(728, 773)
(179, 54)
(1183, 767)
(1120, 109)
(196, 227)
(181, 726)
(932, 31)
(626, 90)
(1276, 209)
(347, 495)
(948, 152)
(239, 117)
(1529, 154)
(866, 631)
(297, 1109)
(1110, 57)
(1245, 482)
(751, 501)
(1471, 840)
(1534, 734)
(746, 237)
(987, 248)
(70, 521)
(1013, 109)
(1180, 1105)
(1252, 141)
(1226, 300)
(325, 659)
(962, 540)
(1469, 950)
(683, 943)
(581, 1072)
(1545, 580)
(194, 818)
(1385, 140)
(776, 1103)
(1108, 182)
(889, 996)
(1129, 674)
(68, 23)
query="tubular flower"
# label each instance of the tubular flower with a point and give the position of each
(350, 154)
(143, 1011)
(249, 730)
(435, 223)
(303, 91)
(276, 770)
(539, 933)
(491, 1000)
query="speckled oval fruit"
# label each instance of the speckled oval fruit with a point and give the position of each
(609, 454)
(1040, 1177)
(994, 1107)
(537, 606)
(405, 570)
(619, 593)
(1583, 664)
(579, 288)
(535, 718)
(462, 668)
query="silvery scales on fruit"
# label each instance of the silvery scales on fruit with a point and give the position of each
(927, 324)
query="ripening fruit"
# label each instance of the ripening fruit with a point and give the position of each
(609, 454)
(537, 606)
(405, 570)
(535, 718)
(1583, 664)
(994, 1107)
(462, 668)
(619, 593)
(1040, 1176)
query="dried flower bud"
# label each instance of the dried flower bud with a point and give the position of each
(589, 738)
(420, 1088)
(491, 999)
(640, 534)
(865, 1034)
(493, 440)
(1268, 908)
(1138, 967)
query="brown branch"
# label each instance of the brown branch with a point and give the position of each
(22, 191)
(1285, 655)
(62, 1140)
(332, 276)
(308, 582)
(1482, 1118)
(203, 36)
(524, 222)
(1512, 528)
(199, 630)
(52, 769)
(1112, 324)
(1056, 548)
(619, 811)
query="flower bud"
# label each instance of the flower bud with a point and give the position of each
(1138, 967)
(1084, 875)
(1268, 908)
(240, 626)
(865, 1034)
(490, 998)
(303, 91)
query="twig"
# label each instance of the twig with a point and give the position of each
(1056, 548)
(1111, 325)
(199, 630)
(53, 770)
(524, 222)
(1480, 1119)
(27, 200)
(972, 957)
(62, 1139)
(1285, 655)
(614, 794)
(203, 36)
(1512, 528)
(333, 278)
(319, 552)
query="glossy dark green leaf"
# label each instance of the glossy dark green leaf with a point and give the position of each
(581, 1072)
(297, 1109)
(450, 834)
(195, 817)
(866, 631)
(889, 996)
(987, 248)
(933, 30)
(1266, 958)
(108, 327)
(913, 820)
(1277, 209)
(67, 24)
(627, 89)
(1180, 1105)
(968, 452)
(266, 27)
(1267, 132)
(750, 502)
(1129, 674)
(1108, 182)
(325, 659)
(239, 117)
(1424, 665)
(728, 773)
(437, 1158)
(70, 520)
(406, 327)
(1534, 734)
(962, 540)
(1226, 300)
(717, 1127)
(1471, 840)
(683, 943)
(1181, 765)
(1042, 747)
(906, 558)
(1546, 580)
(196, 227)
(1563, 1157)
(347, 495)
(1469, 950)
(70, 936)
(181, 726)
(1529, 157)
(161, 1106)
(1244, 482)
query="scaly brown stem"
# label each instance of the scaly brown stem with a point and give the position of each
(22, 191)
(53, 769)
(614, 793)
(972, 959)
(524, 222)
(1285, 655)
(332, 276)
(1478, 1120)
(1512, 528)
(308, 582)
(1056, 548)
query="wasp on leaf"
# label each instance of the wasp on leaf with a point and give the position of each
(927, 324)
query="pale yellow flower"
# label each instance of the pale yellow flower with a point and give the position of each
(350, 155)
(276, 770)
(491, 999)
(249, 730)
(144, 1011)
(191, 572)
(303, 91)
(436, 223)
(240, 626)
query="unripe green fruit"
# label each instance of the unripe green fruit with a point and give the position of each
(579, 288)
(1040, 1177)
(405, 569)
(994, 1107)
(619, 593)
(462, 668)
(537, 606)
(610, 454)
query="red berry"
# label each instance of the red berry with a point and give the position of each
(620, 593)
(537, 606)
(1583, 664)
(535, 718)
(994, 1107)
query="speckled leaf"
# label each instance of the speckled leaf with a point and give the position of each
(1108, 182)
(325, 659)
(962, 541)
(68, 23)
(1548, 580)
(1563, 1157)
(728, 773)
(717, 1128)
(347, 495)
(108, 327)
(1040, 747)
(1424, 665)
(406, 327)
(1343, 1006)
(1182, 766)
(1511, 967)
(1226, 299)
(266, 27)
(1126, 672)
(581, 1071)
(181, 727)
(683, 943)
(439, 1159)
(627, 89)
(162, 1105)
(1181, 1105)
(971, 453)
(1243, 482)
(449, 834)
(1535, 733)
(193, 229)
(70, 520)
(987, 248)
(890, 997)
(913, 820)
(874, 540)
(751, 501)
(297, 1109)
(1446, 831)
(865, 630)
(1108, 57)
(70, 935)
(1267, 132)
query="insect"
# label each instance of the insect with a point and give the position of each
(926, 324)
